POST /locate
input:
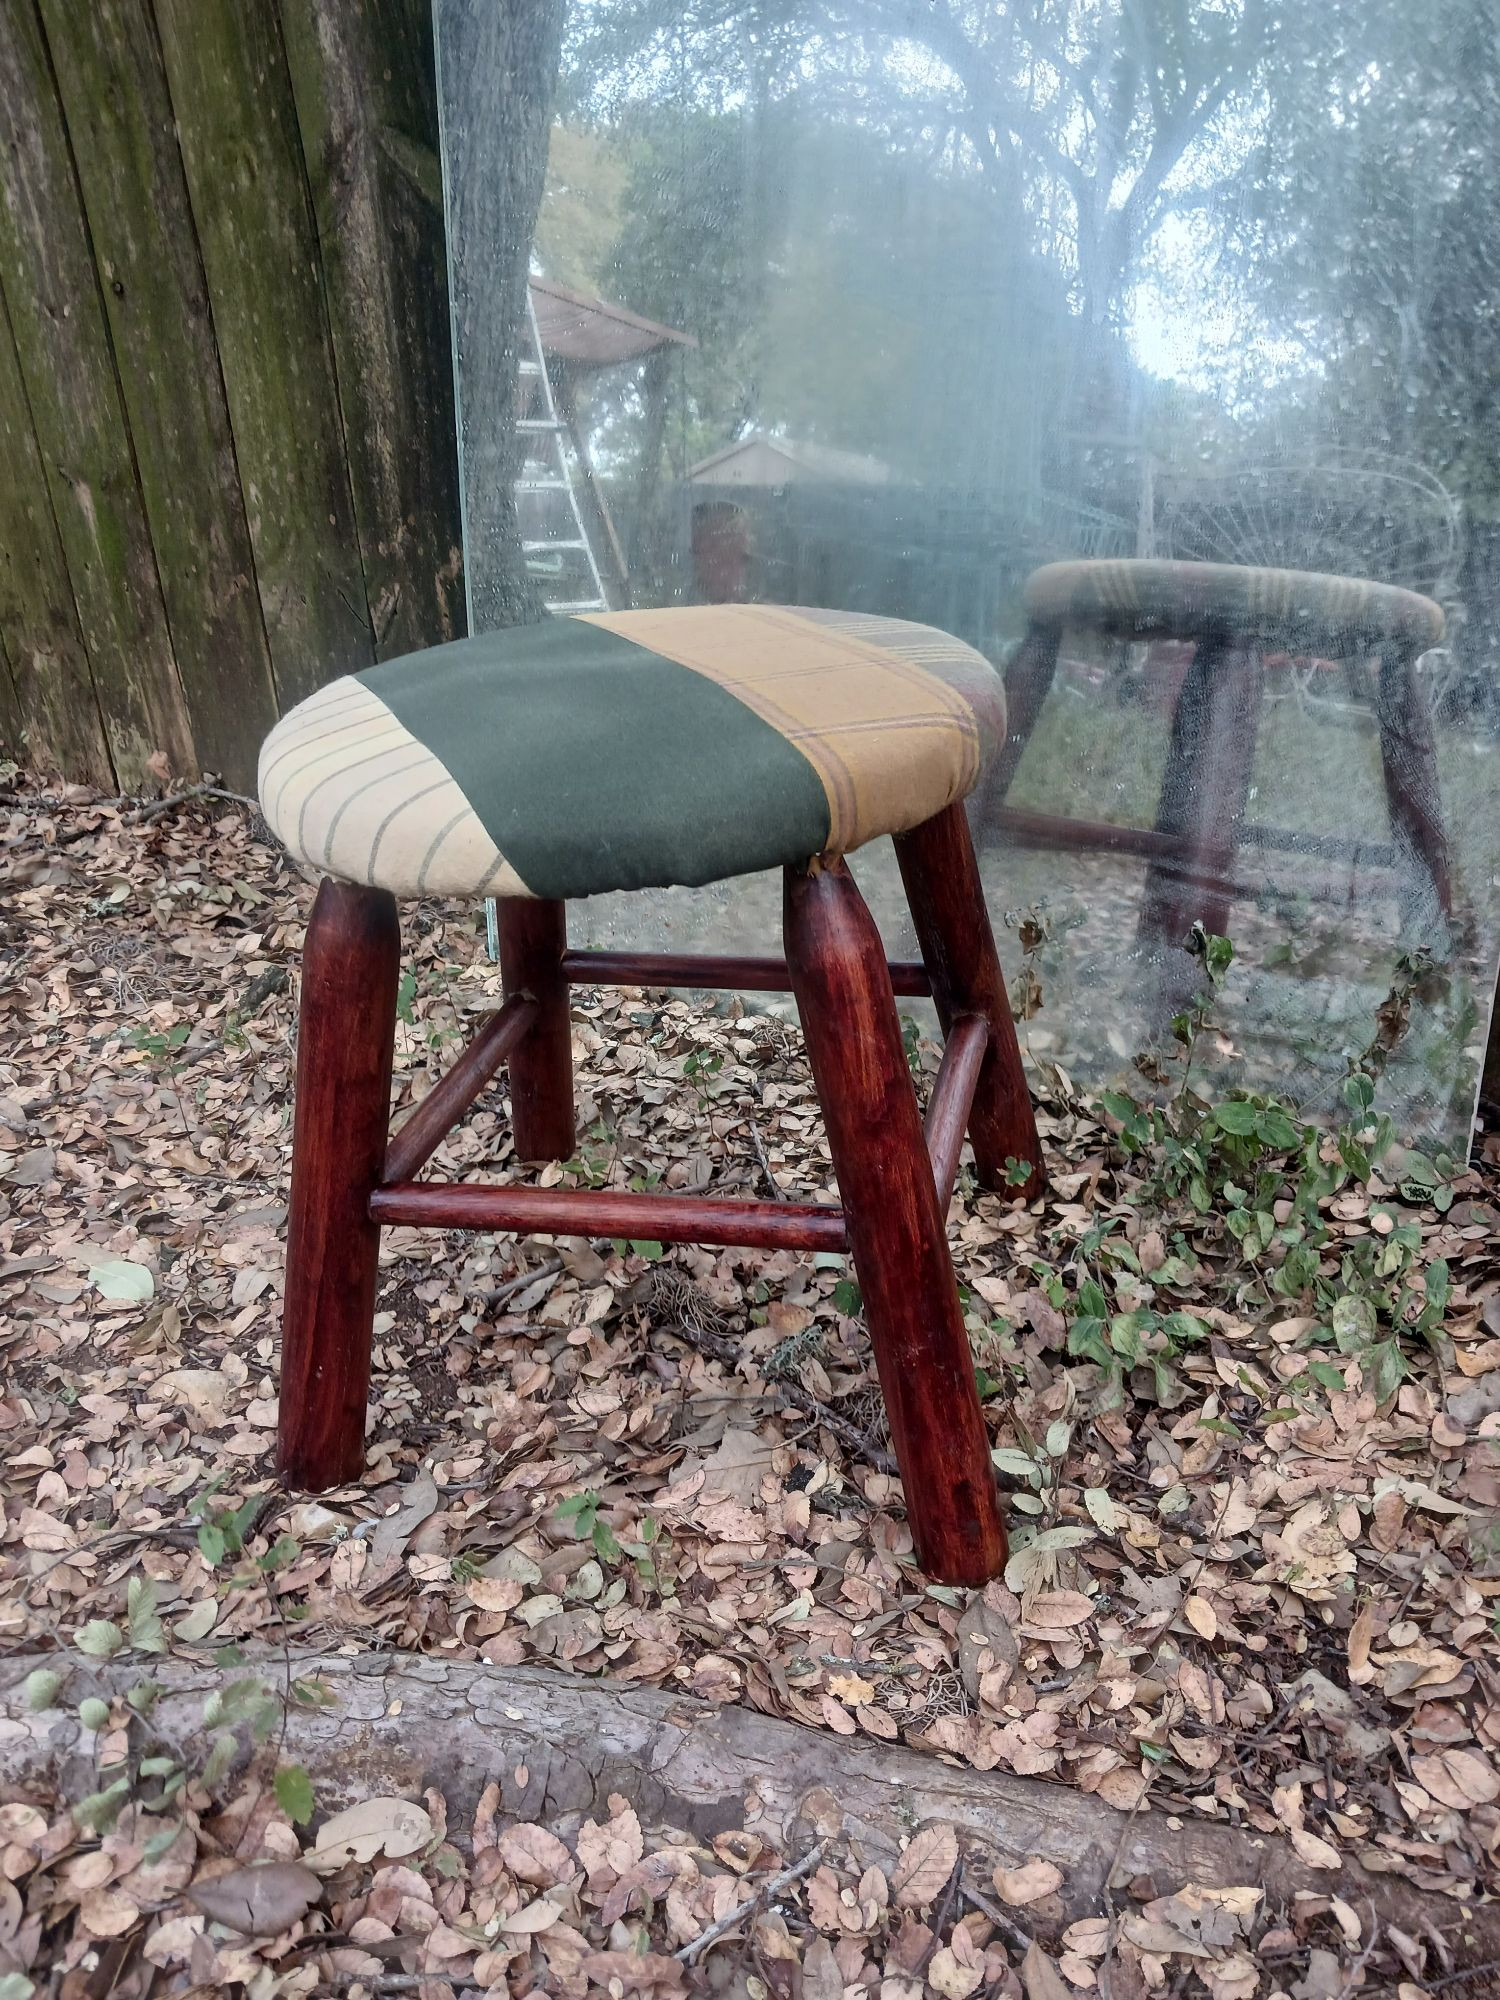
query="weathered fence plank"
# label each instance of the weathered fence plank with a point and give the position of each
(51, 713)
(229, 449)
(12, 730)
(237, 124)
(119, 120)
(64, 352)
(362, 76)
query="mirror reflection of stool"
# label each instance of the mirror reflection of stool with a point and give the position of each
(1242, 625)
(634, 750)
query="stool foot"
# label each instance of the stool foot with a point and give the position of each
(958, 948)
(533, 939)
(350, 968)
(838, 971)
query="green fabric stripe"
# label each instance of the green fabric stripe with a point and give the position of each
(595, 764)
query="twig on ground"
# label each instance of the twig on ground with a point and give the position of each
(763, 1895)
(778, 1192)
(1354, 1976)
(143, 815)
(410, 1982)
(940, 1915)
(1013, 1933)
(718, 1347)
(521, 1280)
(1464, 1978)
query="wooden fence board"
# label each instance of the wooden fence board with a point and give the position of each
(64, 352)
(237, 123)
(362, 75)
(13, 733)
(51, 713)
(119, 118)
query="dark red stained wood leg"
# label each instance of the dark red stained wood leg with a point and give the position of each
(533, 939)
(837, 963)
(350, 966)
(958, 948)
(1028, 680)
(1408, 759)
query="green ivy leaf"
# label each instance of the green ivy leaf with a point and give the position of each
(220, 1757)
(147, 1633)
(99, 1811)
(294, 1793)
(605, 1545)
(40, 1688)
(1236, 1118)
(99, 1639)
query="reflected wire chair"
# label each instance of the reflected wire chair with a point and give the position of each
(642, 749)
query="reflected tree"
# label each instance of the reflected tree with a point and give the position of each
(498, 66)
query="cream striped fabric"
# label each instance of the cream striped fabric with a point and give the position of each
(343, 784)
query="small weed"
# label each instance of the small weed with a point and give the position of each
(610, 1551)
(700, 1070)
(1248, 1160)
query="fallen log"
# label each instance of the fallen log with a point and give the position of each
(559, 1746)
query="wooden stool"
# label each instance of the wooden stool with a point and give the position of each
(631, 750)
(1234, 619)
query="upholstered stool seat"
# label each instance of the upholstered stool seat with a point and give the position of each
(630, 750)
(635, 750)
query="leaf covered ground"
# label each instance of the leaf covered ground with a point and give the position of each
(1244, 1389)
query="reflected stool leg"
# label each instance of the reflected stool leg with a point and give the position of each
(1028, 679)
(346, 1034)
(1205, 790)
(839, 976)
(958, 948)
(533, 938)
(1408, 762)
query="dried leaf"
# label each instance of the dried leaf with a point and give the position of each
(1315, 1852)
(388, 1826)
(921, 1874)
(1040, 1976)
(1201, 1615)
(1458, 1778)
(1028, 1883)
(262, 1900)
(535, 1855)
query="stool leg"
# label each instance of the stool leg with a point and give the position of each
(958, 948)
(838, 971)
(533, 938)
(350, 966)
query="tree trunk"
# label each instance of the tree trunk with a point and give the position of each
(497, 72)
(558, 1747)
